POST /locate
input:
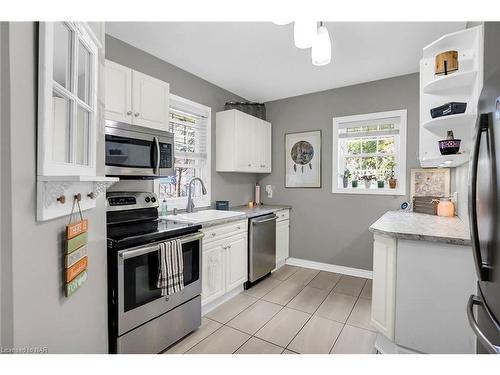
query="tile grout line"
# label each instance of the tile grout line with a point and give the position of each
(347, 318)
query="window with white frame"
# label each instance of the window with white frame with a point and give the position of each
(191, 125)
(369, 154)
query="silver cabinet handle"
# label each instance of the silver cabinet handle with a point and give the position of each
(249, 165)
(229, 246)
(213, 234)
(238, 227)
(136, 114)
(129, 113)
(474, 300)
(263, 221)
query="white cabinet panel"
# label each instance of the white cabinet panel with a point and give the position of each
(118, 89)
(151, 101)
(237, 257)
(243, 143)
(384, 285)
(282, 241)
(213, 273)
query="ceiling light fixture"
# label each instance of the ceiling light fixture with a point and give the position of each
(304, 33)
(321, 53)
(282, 22)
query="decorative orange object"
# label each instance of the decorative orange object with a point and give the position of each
(445, 207)
(76, 269)
(73, 230)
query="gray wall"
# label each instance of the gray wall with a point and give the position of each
(326, 227)
(38, 314)
(235, 187)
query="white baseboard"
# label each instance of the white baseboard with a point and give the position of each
(330, 268)
(205, 309)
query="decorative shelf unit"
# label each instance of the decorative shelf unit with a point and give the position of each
(55, 194)
(463, 85)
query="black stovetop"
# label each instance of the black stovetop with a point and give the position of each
(125, 235)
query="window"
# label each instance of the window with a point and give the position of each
(370, 153)
(68, 102)
(191, 125)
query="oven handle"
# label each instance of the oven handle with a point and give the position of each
(144, 250)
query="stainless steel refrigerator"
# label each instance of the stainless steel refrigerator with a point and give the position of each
(484, 201)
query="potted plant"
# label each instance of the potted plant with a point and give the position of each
(346, 177)
(354, 182)
(367, 178)
(381, 180)
(392, 181)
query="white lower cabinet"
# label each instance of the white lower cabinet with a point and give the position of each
(282, 237)
(384, 285)
(224, 260)
(212, 271)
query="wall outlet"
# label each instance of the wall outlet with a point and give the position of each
(269, 191)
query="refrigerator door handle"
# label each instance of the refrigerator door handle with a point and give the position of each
(481, 268)
(474, 300)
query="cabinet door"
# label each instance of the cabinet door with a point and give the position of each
(266, 146)
(245, 136)
(282, 241)
(118, 92)
(384, 285)
(150, 101)
(236, 264)
(213, 273)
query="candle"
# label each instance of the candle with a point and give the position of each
(445, 207)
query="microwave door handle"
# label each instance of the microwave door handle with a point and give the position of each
(481, 270)
(158, 156)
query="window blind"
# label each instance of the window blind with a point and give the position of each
(190, 138)
(369, 128)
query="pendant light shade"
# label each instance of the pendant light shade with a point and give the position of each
(321, 53)
(304, 33)
(282, 22)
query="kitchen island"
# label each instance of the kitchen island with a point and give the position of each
(423, 275)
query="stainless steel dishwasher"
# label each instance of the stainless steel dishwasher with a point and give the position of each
(261, 247)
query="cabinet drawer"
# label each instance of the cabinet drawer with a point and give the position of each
(283, 215)
(222, 231)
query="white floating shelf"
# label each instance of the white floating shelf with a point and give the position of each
(450, 83)
(457, 123)
(79, 178)
(446, 161)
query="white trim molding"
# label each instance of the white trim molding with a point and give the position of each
(357, 272)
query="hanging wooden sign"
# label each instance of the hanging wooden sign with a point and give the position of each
(77, 282)
(73, 230)
(76, 259)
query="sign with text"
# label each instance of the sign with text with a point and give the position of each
(73, 230)
(76, 258)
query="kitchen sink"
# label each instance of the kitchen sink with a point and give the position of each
(203, 216)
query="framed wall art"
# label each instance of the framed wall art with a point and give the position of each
(303, 159)
(430, 182)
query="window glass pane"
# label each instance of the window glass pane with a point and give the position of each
(369, 163)
(369, 146)
(61, 118)
(83, 73)
(82, 136)
(386, 145)
(354, 147)
(62, 55)
(177, 186)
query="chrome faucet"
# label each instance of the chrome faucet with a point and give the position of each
(190, 205)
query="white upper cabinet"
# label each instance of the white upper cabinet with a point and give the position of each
(136, 98)
(118, 92)
(243, 143)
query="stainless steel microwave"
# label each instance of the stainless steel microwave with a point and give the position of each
(136, 151)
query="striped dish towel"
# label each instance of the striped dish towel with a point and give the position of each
(171, 270)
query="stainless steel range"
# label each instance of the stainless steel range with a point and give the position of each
(140, 319)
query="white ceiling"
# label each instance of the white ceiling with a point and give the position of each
(258, 60)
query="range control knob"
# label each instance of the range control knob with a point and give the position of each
(147, 199)
(153, 199)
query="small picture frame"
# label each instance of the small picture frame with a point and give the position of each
(303, 159)
(430, 182)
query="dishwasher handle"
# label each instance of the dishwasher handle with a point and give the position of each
(255, 222)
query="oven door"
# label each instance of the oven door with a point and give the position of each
(139, 300)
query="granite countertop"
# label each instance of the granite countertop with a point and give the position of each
(246, 213)
(423, 227)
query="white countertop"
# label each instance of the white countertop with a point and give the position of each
(423, 227)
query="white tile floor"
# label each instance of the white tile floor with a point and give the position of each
(296, 310)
